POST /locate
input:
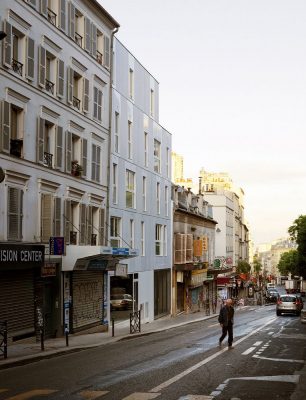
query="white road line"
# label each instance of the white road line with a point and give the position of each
(279, 359)
(257, 343)
(275, 378)
(176, 378)
(248, 351)
(195, 397)
(92, 394)
(142, 396)
(270, 333)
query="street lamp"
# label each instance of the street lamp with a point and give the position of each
(2, 35)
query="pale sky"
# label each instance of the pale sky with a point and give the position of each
(232, 77)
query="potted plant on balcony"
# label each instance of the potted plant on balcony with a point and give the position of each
(76, 168)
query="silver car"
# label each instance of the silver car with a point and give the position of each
(289, 303)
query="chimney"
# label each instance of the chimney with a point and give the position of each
(200, 185)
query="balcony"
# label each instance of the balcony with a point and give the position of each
(93, 239)
(78, 39)
(49, 86)
(76, 102)
(76, 168)
(51, 16)
(16, 147)
(99, 57)
(17, 66)
(48, 159)
(73, 237)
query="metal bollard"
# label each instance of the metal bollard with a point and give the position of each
(42, 339)
(113, 327)
(67, 338)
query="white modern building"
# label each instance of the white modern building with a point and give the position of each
(140, 186)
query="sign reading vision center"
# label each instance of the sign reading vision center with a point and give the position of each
(12, 255)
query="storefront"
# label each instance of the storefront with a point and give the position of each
(162, 292)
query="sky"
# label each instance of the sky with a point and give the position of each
(232, 92)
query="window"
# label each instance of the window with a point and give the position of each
(152, 102)
(165, 240)
(130, 189)
(168, 162)
(115, 183)
(142, 239)
(144, 193)
(146, 145)
(74, 222)
(51, 73)
(131, 83)
(14, 214)
(96, 163)
(50, 144)
(132, 234)
(78, 91)
(130, 141)
(115, 232)
(95, 226)
(166, 201)
(156, 156)
(158, 240)
(76, 154)
(116, 142)
(50, 216)
(97, 112)
(158, 198)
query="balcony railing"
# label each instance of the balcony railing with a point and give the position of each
(93, 240)
(16, 147)
(73, 237)
(99, 57)
(76, 168)
(76, 102)
(78, 39)
(17, 66)
(51, 17)
(48, 159)
(49, 86)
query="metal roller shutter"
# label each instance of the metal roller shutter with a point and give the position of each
(17, 301)
(87, 297)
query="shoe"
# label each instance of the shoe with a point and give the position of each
(220, 343)
(230, 347)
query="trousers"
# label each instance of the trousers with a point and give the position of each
(227, 330)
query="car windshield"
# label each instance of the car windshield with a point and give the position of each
(117, 297)
(288, 299)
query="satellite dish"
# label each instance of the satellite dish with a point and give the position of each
(2, 175)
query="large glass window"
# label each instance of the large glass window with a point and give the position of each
(115, 232)
(130, 189)
(156, 156)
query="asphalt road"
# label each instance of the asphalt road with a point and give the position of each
(181, 363)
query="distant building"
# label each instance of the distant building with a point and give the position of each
(177, 167)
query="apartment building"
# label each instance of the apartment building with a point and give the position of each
(140, 186)
(54, 143)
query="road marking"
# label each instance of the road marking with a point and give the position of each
(248, 351)
(210, 326)
(32, 393)
(257, 343)
(142, 396)
(176, 378)
(92, 394)
(195, 397)
(270, 333)
(279, 359)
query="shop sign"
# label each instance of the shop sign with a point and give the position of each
(57, 246)
(48, 269)
(121, 269)
(197, 248)
(204, 243)
(120, 251)
(22, 254)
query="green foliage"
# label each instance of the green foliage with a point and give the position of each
(288, 263)
(257, 267)
(243, 267)
(297, 232)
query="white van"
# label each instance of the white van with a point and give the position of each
(270, 285)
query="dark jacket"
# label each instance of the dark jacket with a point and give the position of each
(224, 316)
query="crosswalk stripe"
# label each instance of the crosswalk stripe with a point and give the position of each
(31, 393)
(142, 396)
(92, 394)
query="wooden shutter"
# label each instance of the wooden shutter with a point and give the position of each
(7, 45)
(100, 105)
(30, 59)
(60, 78)
(62, 15)
(6, 127)
(93, 162)
(44, 8)
(101, 226)
(95, 108)
(87, 35)
(98, 165)
(84, 157)
(46, 217)
(88, 224)
(57, 216)
(106, 55)
(82, 224)
(70, 85)
(94, 40)
(189, 248)
(15, 207)
(71, 20)
(59, 148)
(85, 95)
(42, 67)
(68, 151)
(67, 217)
(40, 140)
(179, 248)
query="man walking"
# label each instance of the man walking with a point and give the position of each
(226, 320)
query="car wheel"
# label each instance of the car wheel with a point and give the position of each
(278, 313)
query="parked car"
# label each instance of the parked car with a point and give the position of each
(300, 298)
(121, 302)
(303, 316)
(272, 296)
(288, 303)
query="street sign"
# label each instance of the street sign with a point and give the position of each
(57, 246)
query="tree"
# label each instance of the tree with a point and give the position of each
(288, 263)
(257, 266)
(243, 267)
(297, 232)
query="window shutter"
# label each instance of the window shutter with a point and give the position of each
(68, 151)
(179, 245)
(30, 59)
(42, 67)
(57, 216)
(84, 157)
(70, 85)
(95, 110)
(7, 45)
(88, 224)
(189, 248)
(94, 40)
(101, 226)
(100, 105)
(62, 15)
(87, 35)
(44, 8)
(67, 217)
(59, 148)
(46, 217)
(71, 20)
(85, 95)
(14, 214)
(98, 164)
(40, 140)
(32, 3)
(6, 127)
(82, 225)
(60, 78)
(106, 55)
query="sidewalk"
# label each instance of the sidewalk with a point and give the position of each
(29, 351)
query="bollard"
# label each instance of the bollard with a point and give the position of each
(113, 327)
(67, 338)
(42, 339)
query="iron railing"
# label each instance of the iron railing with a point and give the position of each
(93, 240)
(16, 147)
(99, 57)
(49, 86)
(76, 102)
(51, 16)
(73, 237)
(135, 322)
(78, 39)
(3, 338)
(17, 66)
(48, 159)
